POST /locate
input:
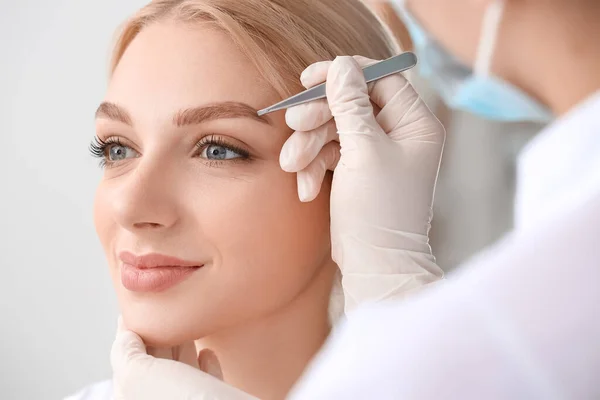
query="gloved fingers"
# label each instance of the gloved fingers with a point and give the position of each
(140, 376)
(409, 118)
(310, 179)
(187, 354)
(301, 148)
(315, 74)
(209, 363)
(400, 105)
(165, 353)
(308, 116)
(365, 62)
(383, 90)
(127, 346)
(348, 98)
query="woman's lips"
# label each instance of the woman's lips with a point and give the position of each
(154, 272)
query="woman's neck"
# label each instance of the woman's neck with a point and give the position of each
(265, 357)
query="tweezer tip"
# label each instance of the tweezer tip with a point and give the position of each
(263, 112)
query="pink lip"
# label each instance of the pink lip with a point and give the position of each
(154, 272)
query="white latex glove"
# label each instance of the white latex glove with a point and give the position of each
(138, 375)
(385, 171)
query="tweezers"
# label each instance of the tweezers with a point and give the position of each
(393, 65)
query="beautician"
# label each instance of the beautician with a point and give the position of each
(522, 319)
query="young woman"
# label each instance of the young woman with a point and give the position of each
(206, 236)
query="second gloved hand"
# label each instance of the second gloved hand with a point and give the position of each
(138, 375)
(385, 171)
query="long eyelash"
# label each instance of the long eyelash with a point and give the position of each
(213, 140)
(98, 149)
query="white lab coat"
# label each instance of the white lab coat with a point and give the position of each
(520, 321)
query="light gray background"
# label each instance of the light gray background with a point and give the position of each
(57, 307)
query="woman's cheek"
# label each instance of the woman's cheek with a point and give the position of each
(103, 220)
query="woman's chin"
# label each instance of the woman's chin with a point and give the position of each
(161, 333)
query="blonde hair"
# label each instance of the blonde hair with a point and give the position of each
(280, 37)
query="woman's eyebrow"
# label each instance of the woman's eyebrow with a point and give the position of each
(190, 116)
(212, 111)
(112, 111)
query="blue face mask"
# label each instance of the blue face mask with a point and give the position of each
(473, 90)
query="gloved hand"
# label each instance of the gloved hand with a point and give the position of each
(385, 171)
(138, 375)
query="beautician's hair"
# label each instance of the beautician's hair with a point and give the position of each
(281, 37)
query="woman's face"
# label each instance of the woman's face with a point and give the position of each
(192, 173)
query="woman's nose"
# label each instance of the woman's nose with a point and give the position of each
(147, 198)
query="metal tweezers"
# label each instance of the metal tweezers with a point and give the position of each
(393, 65)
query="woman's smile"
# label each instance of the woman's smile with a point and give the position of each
(154, 272)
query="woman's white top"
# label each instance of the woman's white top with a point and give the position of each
(99, 391)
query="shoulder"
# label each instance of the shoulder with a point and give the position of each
(98, 391)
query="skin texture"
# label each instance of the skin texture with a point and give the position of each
(542, 44)
(260, 300)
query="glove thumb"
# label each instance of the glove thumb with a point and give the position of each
(127, 346)
(138, 375)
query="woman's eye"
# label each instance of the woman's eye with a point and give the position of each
(218, 152)
(118, 152)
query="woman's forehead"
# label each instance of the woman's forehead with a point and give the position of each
(182, 64)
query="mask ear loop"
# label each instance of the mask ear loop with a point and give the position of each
(489, 35)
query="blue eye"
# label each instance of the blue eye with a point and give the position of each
(111, 151)
(219, 152)
(118, 152)
(218, 149)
